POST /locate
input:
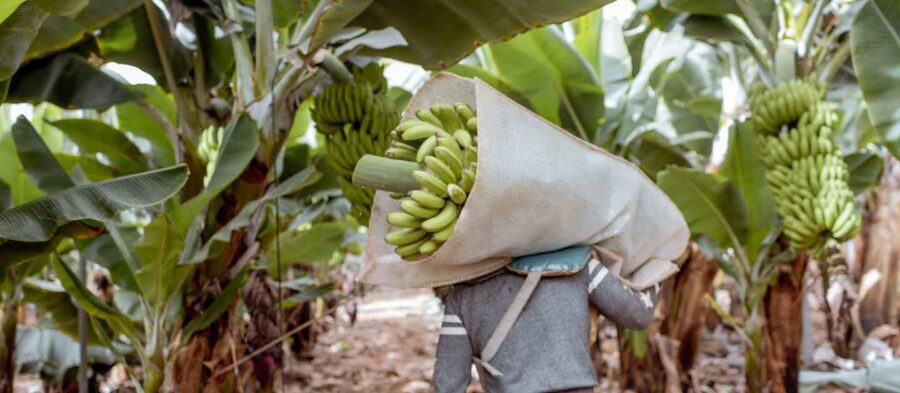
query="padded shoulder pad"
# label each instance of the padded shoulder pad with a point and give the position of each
(554, 263)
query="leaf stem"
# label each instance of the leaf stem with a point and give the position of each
(265, 48)
(243, 59)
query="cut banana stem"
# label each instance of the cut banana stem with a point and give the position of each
(385, 174)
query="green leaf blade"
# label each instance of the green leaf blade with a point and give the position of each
(39, 219)
(875, 47)
(710, 204)
(43, 168)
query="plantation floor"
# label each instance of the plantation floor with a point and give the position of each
(391, 349)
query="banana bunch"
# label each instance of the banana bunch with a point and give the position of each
(807, 175)
(208, 150)
(356, 119)
(782, 104)
(444, 141)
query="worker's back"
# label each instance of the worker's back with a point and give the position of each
(547, 347)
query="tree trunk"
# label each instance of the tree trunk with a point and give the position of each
(878, 250)
(10, 319)
(782, 331)
(220, 344)
(673, 339)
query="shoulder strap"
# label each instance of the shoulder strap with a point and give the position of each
(507, 321)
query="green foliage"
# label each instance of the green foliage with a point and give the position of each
(237, 149)
(743, 167)
(308, 246)
(16, 32)
(865, 170)
(439, 33)
(96, 137)
(68, 81)
(875, 44)
(43, 168)
(38, 220)
(556, 79)
(711, 205)
(158, 251)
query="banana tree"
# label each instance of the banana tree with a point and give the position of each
(777, 42)
(36, 232)
(248, 68)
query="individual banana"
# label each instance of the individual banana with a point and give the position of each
(404, 236)
(427, 199)
(447, 215)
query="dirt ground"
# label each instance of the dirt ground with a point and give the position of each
(391, 349)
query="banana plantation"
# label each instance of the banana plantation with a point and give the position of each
(449, 196)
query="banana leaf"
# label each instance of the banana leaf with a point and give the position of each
(90, 303)
(8, 7)
(441, 32)
(38, 220)
(64, 8)
(711, 205)
(237, 149)
(68, 81)
(43, 168)
(16, 33)
(5, 196)
(158, 252)
(59, 32)
(93, 136)
(875, 45)
(743, 167)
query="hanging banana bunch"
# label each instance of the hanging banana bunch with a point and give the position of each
(807, 175)
(444, 141)
(356, 119)
(208, 149)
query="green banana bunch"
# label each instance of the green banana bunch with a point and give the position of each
(443, 139)
(807, 175)
(208, 149)
(356, 119)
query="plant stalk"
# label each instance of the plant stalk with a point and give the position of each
(243, 59)
(82, 333)
(334, 67)
(265, 47)
(385, 174)
(8, 338)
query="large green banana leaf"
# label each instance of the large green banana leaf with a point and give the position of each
(43, 168)
(8, 7)
(39, 219)
(711, 205)
(16, 33)
(440, 32)
(557, 80)
(744, 168)
(68, 81)
(58, 32)
(875, 45)
(93, 136)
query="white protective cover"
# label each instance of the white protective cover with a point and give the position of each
(538, 189)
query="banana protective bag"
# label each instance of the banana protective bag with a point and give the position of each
(538, 189)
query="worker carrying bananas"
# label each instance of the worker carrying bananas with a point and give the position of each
(544, 226)
(533, 334)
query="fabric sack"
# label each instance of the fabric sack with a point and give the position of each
(538, 189)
